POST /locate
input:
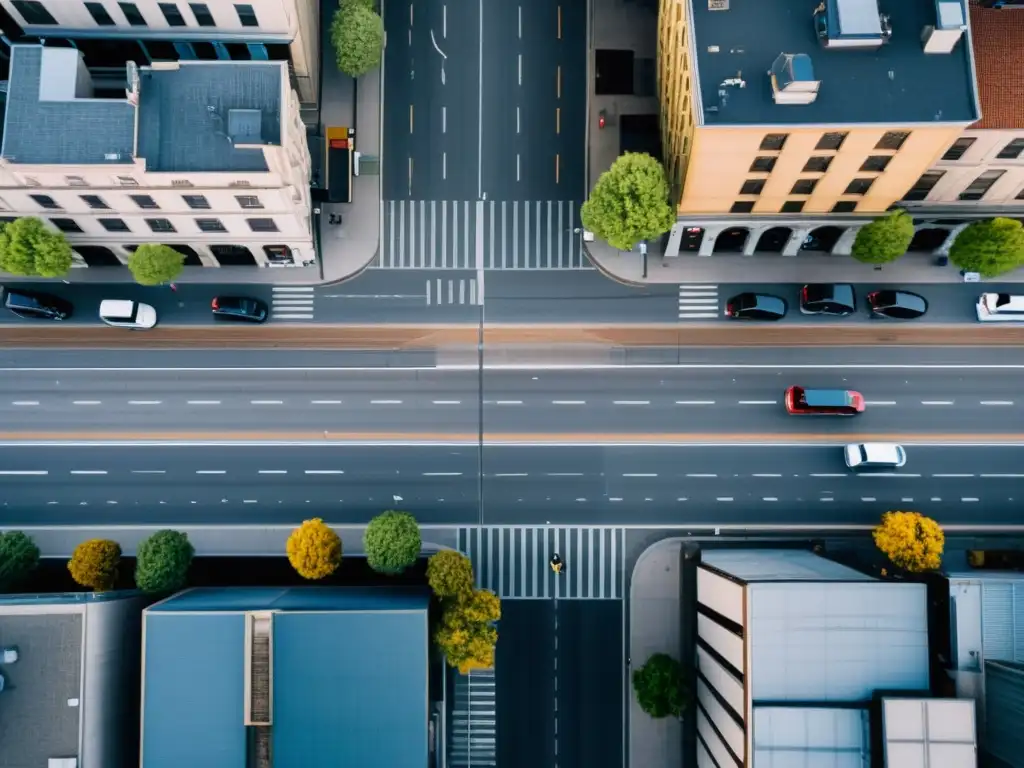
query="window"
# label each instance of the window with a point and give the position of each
(46, 201)
(247, 16)
(742, 206)
(181, 183)
(924, 185)
(66, 225)
(76, 181)
(33, 12)
(144, 201)
(131, 12)
(196, 201)
(763, 164)
(817, 164)
(792, 206)
(210, 225)
(202, 14)
(830, 141)
(99, 14)
(94, 201)
(161, 225)
(981, 185)
(127, 181)
(960, 146)
(804, 187)
(752, 187)
(172, 14)
(248, 201)
(892, 140)
(859, 186)
(262, 225)
(774, 141)
(1012, 150)
(238, 183)
(844, 206)
(114, 225)
(876, 163)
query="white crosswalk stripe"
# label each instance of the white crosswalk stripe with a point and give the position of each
(292, 302)
(453, 291)
(698, 302)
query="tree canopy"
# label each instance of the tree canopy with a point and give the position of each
(629, 202)
(314, 549)
(28, 248)
(357, 34)
(162, 561)
(884, 239)
(991, 247)
(449, 574)
(659, 686)
(466, 634)
(19, 556)
(94, 564)
(392, 542)
(154, 264)
(910, 540)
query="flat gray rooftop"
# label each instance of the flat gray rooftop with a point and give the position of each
(36, 722)
(895, 84)
(191, 118)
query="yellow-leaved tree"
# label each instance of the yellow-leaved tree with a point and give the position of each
(314, 549)
(94, 564)
(910, 540)
(466, 634)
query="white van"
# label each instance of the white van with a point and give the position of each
(127, 314)
(1000, 308)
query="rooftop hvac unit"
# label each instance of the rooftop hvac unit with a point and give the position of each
(792, 77)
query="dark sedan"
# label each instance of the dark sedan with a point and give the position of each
(828, 299)
(240, 308)
(897, 305)
(755, 306)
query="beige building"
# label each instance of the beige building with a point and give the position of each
(785, 130)
(209, 158)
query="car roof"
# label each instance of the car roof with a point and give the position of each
(116, 307)
(882, 451)
(827, 398)
(905, 299)
(842, 292)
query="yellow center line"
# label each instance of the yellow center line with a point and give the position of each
(410, 118)
(559, 22)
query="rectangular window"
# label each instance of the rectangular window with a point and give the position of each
(859, 187)
(172, 14)
(844, 206)
(133, 15)
(76, 181)
(804, 187)
(114, 225)
(876, 163)
(961, 145)
(210, 225)
(247, 16)
(1012, 150)
(202, 14)
(196, 201)
(33, 13)
(817, 164)
(830, 141)
(127, 181)
(66, 225)
(792, 206)
(892, 140)
(742, 206)
(161, 225)
(752, 187)
(978, 188)
(262, 225)
(763, 164)
(248, 201)
(99, 14)
(924, 185)
(46, 201)
(181, 183)
(144, 201)
(94, 201)
(774, 141)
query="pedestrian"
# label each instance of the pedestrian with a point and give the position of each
(556, 564)
(173, 287)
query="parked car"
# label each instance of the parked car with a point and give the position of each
(756, 306)
(874, 455)
(897, 305)
(127, 314)
(239, 308)
(37, 306)
(1000, 308)
(823, 402)
(828, 299)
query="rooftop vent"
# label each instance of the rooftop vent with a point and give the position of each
(792, 77)
(949, 27)
(851, 24)
(245, 126)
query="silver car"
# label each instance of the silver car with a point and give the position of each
(874, 455)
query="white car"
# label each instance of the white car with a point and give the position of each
(871, 455)
(1000, 308)
(127, 314)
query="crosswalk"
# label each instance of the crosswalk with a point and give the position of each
(513, 561)
(698, 302)
(489, 234)
(454, 291)
(292, 302)
(474, 726)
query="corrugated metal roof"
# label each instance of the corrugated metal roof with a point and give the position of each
(811, 737)
(754, 565)
(1004, 711)
(1002, 613)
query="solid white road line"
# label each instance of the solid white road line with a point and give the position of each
(385, 402)
(25, 402)
(204, 402)
(519, 367)
(695, 402)
(24, 472)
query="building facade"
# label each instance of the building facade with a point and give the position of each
(794, 136)
(209, 158)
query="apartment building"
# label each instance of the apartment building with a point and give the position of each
(209, 158)
(785, 127)
(110, 33)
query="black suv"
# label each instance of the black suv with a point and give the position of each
(240, 308)
(755, 306)
(37, 306)
(828, 299)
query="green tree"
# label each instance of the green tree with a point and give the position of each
(449, 574)
(154, 264)
(28, 248)
(19, 556)
(659, 686)
(991, 247)
(314, 549)
(162, 561)
(357, 34)
(884, 239)
(94, 564)
(629, 202)
(392, 542)
(466, 634)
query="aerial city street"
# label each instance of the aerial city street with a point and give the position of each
(645, 307)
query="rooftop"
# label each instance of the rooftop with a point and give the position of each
(923, 733)
(986, 626)
(895, 84)
(836, 737)
(998, 38)
(757, 565)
